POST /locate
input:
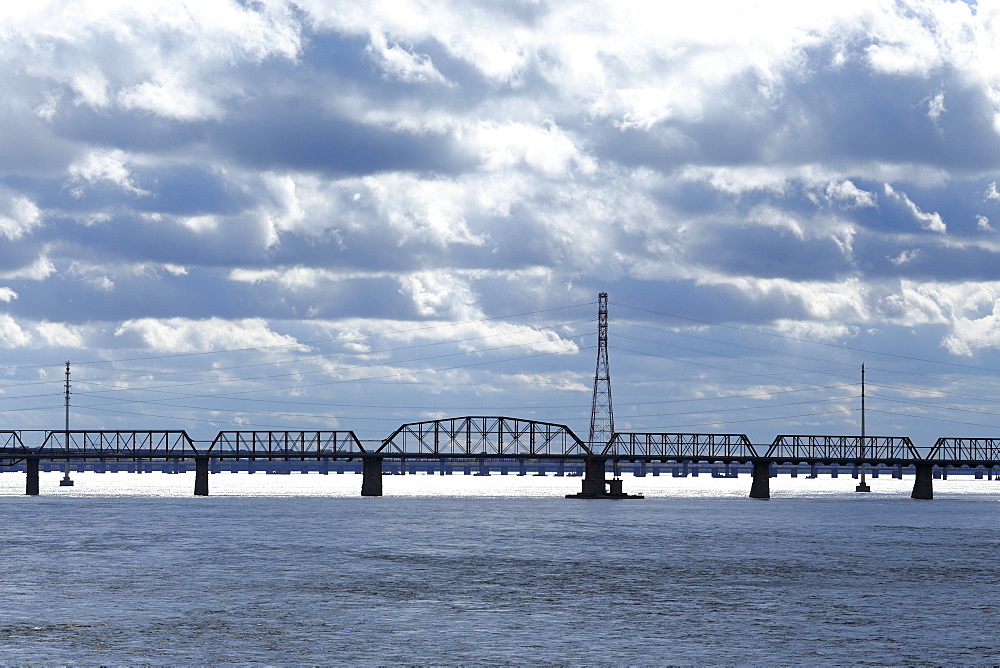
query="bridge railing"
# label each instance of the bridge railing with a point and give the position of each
(118, 443)
(869, 448)
(477, 436)
(676, 445)
(280, 444)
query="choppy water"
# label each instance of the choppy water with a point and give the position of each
(129, 568)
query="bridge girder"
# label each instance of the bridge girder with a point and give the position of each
(279, 444)
(792, 447)
(960, 449)
(108, 444)
(678, 445)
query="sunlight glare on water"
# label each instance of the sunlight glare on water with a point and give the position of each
(157, 484)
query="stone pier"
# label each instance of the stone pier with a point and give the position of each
(595, 485)
(31, 465)
(760, 488)
(371, 481)
(923, 484)
(201, 476)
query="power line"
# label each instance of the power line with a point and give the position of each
(810, 341)
(328, 340)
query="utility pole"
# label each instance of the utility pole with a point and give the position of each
(66, 482)
(862, 486)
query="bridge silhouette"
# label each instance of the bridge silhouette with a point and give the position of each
(487, 438)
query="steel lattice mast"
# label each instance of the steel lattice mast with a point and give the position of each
(602, 418)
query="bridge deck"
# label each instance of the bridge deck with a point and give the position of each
(493, 437)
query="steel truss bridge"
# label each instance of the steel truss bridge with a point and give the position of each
(489, 437)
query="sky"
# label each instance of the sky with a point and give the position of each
(353, 215)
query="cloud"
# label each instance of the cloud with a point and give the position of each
(159, 57)
(848, 194)
(440, 294)
(935, 107)
(39, 270)
(18, 215)
(905, 256)
(546, 149)
(179, 335)
(168, 97)
(182, 178)
(11, 334)
(98, 166)
(970, 335)
(401, 64)
(929, 221)
(61, 335)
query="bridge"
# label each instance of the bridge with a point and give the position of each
(496, 437)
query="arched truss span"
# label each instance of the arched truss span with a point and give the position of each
(483, 436)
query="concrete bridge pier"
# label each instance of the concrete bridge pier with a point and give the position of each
(31, 466)
(923, 485)
(594, 482)
(201, 476)
(595, 486)
(371, 481)
(760, 488)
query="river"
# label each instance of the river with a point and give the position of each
(130, 568)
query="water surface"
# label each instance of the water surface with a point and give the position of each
(128, 568)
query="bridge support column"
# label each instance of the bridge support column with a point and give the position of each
(595, 486)
(594, 481)
(31, 466)
(923, 485)
(201, 476)
(371, 481)
(760, 488)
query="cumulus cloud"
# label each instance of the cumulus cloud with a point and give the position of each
(437, 294)
(61, 335)
(401, 63)
(18, 215)
(39, 270)
(935, 107)
(292, 278)
(100, 166)
(191, 177)
(929, 221)
(905, 256)
(11, 334)
(546, 149)
(848, 194)
(972, 334)
(179, 335)
(158, 57)
(166, 96)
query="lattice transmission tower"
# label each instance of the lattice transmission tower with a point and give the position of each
(602, 417)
